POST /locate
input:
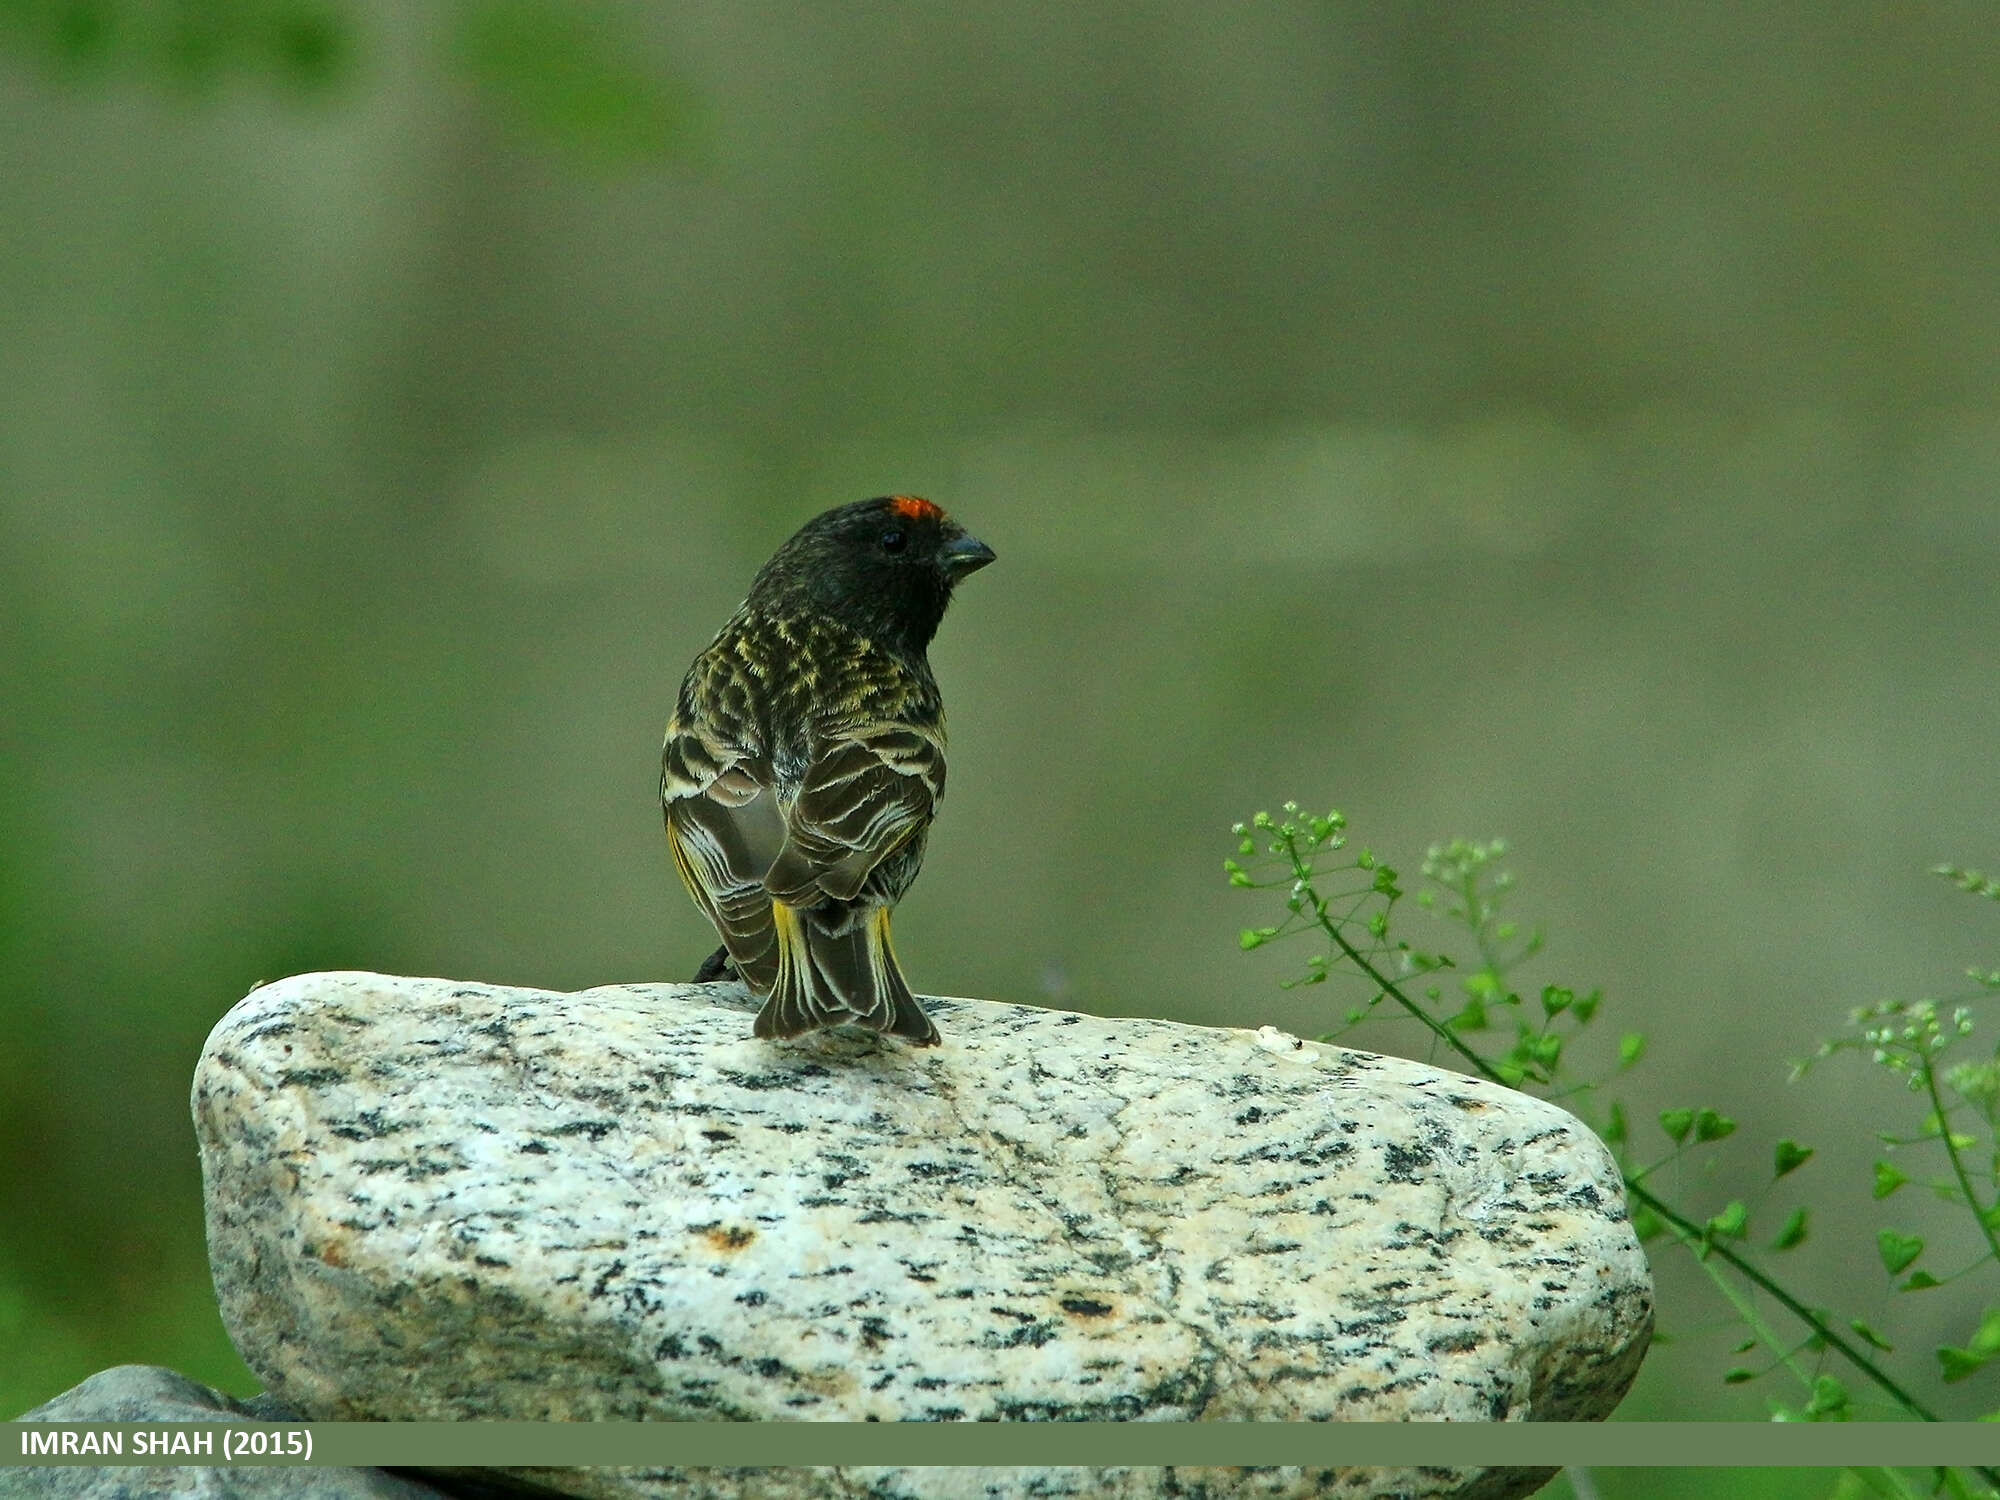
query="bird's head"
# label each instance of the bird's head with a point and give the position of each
(885, 566)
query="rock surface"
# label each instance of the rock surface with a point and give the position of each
(147, 1393)
(1059, 1483)
(435, 1200)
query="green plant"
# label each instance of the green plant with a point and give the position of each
(577, 78)
(1348, 898)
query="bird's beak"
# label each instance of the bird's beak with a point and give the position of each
(966, 554)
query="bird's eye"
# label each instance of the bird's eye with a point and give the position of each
(894, 541)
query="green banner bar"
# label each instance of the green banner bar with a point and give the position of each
(1004, 1444)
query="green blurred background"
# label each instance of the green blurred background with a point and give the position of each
(1577, 423)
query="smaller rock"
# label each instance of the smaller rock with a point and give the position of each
(147, 1393)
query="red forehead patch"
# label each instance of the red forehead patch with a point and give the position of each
(914, 508)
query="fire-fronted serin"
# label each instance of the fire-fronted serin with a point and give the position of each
(805, 760)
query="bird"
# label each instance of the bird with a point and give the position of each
(805, 759)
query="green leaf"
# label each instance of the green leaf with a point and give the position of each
(1586, 1007)
(1472, 1018)
(1829, 1400)
(1794, 1232)
(1730, 1223)
(1556, 999)
(1255, 937)
(1677, 1123)
(1738, 1375)
(1897, 1250)
(1972, 881)
(1985, 1340)
(1955, 1364)
(569, 74)
(1887, 1179)
(1871, 1336)
(311, 42)
(1710, 1126)
(1615, 1126)
(1647, 1225)
(1789, 1157)
(1860, 1480)
(1919, 1281)
(1631, 1047)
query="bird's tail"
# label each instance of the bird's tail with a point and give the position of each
(827, 978)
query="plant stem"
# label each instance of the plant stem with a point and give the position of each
(1689, 1233)
(1633, 1187)
(1885, 1482)
(1745, 1308)
(1757, 1278)
(1388, 986)
(1957, 1165)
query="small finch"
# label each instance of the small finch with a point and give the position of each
(805, 760)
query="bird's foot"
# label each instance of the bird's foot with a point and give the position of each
(718, 965)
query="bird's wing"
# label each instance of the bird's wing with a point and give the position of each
(859, 801)
(724, 828)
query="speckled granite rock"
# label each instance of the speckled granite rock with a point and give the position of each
(1047, 1483)
(439, 1200)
